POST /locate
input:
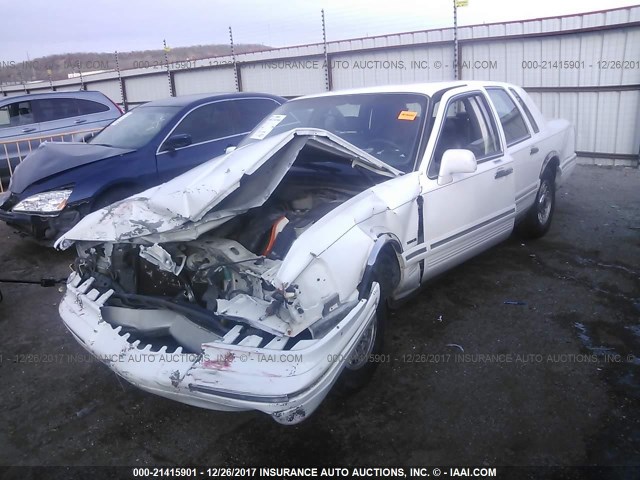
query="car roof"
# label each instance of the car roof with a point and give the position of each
(426, 88)
(190, 100)
(71, 93)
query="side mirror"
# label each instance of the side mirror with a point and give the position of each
(177, 141)
(230, 149)
(456, 161)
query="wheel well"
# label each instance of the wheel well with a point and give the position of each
(383, 255)
(552, 168)
(110, 190)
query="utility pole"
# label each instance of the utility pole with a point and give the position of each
(166, 62)
(123, 96)
(233, 58)
(456, 51)
(327, 67)
(80, 72)
(455, 39)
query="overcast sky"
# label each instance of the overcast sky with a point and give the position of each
(35, 28)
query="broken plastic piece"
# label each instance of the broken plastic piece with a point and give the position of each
(456, 346)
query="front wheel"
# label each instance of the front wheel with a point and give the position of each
(359, 367)
(538, 219)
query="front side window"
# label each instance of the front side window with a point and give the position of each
(467, 124)
(515, 129)
(16, 114)
(385, 125)
(135, 128)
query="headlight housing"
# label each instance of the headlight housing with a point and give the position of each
(46, 202)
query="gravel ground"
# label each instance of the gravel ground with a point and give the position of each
(555, 381)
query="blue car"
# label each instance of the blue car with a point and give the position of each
(59, 183)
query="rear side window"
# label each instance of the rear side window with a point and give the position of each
(87, 107)
(49, 109)
(249, 112)
(515, 128)
(208, 122)
(527, 112)
(16, 114)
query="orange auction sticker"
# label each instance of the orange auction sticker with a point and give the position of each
(407, 115)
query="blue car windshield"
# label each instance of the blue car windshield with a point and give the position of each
(135, 128)
(385, 125)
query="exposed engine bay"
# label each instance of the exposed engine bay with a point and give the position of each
(188, 293)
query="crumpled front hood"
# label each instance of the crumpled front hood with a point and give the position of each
(184, 207)
(55, 157)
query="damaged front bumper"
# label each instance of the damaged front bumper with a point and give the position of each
(44, 228)
(286, 384)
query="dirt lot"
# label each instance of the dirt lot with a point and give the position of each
(565, 390)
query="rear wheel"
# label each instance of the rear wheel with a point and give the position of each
(538, 219)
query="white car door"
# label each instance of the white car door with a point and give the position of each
(522, 147)
(475, 210)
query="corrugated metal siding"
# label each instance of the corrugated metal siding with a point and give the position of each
(111, 88)
(14, 93)
(277, 78)
(606, 121)
(40, 90)
(407, 65)
(534, 62)
(147, 88)
(68, 88)
(215, 80)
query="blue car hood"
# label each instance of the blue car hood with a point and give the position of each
(51, 158)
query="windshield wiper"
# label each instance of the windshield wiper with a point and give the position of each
(373, 168)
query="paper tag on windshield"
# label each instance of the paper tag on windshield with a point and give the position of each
(266, 127)
(407, 115)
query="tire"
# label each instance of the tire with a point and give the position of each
(359, 368)
(538, 220)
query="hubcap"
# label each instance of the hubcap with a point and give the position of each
(360, 355)
(544, 203)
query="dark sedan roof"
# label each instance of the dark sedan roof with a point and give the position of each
(185, 100)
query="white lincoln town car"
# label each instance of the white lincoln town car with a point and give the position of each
(262, 278)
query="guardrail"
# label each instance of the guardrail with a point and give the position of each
(13, 152)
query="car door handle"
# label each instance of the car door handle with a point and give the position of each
(82, 120)
(534, 150)
(503, 173)
(27, 130)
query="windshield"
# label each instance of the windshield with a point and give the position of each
(385, 125)
(135, 128)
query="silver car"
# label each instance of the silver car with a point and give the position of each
(27, 119)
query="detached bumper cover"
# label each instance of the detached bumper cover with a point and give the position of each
(286, 384)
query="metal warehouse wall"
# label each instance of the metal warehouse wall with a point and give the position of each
(584, 67)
